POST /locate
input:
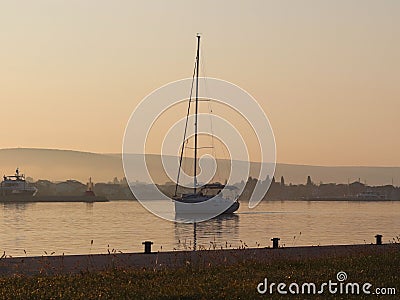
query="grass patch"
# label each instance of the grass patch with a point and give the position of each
(238, 281)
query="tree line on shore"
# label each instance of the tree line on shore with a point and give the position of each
(278, 190)
(310, 190)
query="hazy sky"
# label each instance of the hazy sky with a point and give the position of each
(325, 72)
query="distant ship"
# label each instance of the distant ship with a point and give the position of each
(15, 189)
(15, 186)
(370, 196)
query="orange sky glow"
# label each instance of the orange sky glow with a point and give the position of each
(326, 73)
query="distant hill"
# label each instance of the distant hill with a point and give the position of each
(57, 165)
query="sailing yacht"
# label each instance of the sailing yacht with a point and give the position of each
(211, 199)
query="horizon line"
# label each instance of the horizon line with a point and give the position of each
(281, 163)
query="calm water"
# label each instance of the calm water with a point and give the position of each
(123, 225)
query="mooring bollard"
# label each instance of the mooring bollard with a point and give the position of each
(147, 246)
(275, 243)
(378, 239)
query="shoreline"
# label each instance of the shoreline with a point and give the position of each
(72, 264)
(77, 199)
(53, 199)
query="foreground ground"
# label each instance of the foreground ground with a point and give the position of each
(207, 281)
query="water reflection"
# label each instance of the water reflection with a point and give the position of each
(15, 206)
(69, 227)
(212, 234)
(14, 213)
(89, 205)
(14, 216)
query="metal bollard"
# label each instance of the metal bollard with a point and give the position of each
(275, 243)
(147, 246)
(378, 239)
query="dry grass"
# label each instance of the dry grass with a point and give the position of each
(238, 281)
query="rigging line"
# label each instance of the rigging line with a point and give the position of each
(186, 124)
(210, 111)
(213, 151)
(209, 100)
(212, 130)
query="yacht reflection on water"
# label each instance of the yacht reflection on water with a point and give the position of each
(215, 233)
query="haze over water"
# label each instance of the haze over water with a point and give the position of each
(123, 225)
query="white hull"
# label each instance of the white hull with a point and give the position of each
(210, 207)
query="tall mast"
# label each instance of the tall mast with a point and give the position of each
(195, 114)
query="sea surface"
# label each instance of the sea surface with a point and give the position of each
(34, 229)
